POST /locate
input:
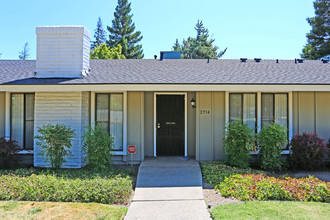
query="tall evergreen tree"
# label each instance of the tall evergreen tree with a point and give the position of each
(123, 32)
(25, 53)
(318, 44)
(176, 46)
(99, 35)
(200, 47)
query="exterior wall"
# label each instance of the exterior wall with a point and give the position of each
(85, 117)
(62, 51)
(311, 113)
(149, 124)
(191, 125)
(60, 107)
(210, 122)
(2, 114)
(135, 126)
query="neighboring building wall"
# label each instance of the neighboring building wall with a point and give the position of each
(311, 113)
(60, 107)
(210, 123)
(2, 114)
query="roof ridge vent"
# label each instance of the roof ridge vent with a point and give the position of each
(243, 60)
(300, 60)
(257, 60)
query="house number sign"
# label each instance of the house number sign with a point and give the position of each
(204, 112)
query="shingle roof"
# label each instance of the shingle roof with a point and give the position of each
(178, 72)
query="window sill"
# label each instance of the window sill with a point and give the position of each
(285, 152)
(118, 153)
(25, 152)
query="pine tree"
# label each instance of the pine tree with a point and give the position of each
(99, 35)
(176, 46)
(123, 32)
(25, 53)
(318, 44)
(200, 47)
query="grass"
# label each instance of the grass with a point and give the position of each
(59, 210)
(272, 210)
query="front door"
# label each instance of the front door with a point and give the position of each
(170, 125)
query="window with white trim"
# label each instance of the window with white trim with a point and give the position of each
(274, 109)
(109, 114)
(22, 119)
(243, 107)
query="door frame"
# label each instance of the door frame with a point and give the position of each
(185, 119)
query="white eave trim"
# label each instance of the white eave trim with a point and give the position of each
(162, 87)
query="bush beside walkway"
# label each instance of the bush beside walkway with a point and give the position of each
(110, 187)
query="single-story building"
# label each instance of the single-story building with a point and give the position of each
(165, 107)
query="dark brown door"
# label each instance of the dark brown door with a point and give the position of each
(170, 125)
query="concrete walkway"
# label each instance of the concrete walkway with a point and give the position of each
(168, 188)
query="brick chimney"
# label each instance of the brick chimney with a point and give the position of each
(62, 52)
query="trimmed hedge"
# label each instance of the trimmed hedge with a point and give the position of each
(65, 186)
(261, 187)
(214, 172)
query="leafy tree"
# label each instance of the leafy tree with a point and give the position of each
(271, 140)
(55, 143)
(318, 44)
(25, 53)
(99, 35)
(200, 47)
(123, 32)
(238, 142)
(97, 146)
(105, 53)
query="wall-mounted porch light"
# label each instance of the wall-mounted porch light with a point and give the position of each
(193, 103)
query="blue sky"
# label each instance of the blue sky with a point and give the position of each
(253, 28)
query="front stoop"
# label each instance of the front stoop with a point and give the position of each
(168, 188)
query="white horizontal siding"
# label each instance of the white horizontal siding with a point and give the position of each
(62, 51)
(65, 108)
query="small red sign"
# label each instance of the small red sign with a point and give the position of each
(132, 149)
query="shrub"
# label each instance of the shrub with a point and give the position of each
(261, 187)
(271, 140)
(55, 143)
(214, 172)
(97, 147)
(57, 189)
(8, 152)
(308, 151)
(238, 143)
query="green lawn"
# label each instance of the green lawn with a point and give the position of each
(59, 210)
(272, 210)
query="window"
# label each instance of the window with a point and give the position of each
(242, 107)
(109, 114)
(22, 119)
(274, 108)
